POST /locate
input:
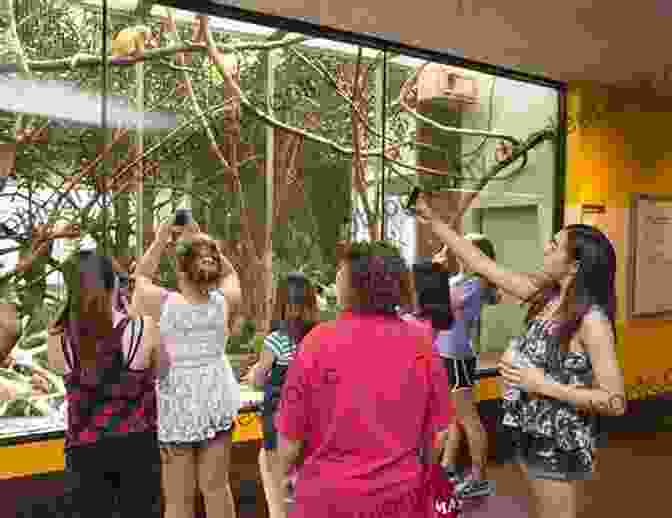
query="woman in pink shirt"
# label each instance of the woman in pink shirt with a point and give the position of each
(362, 397)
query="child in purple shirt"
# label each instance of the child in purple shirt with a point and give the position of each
(468, 294)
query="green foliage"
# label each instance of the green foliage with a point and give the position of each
(240, 344)
(374, 248)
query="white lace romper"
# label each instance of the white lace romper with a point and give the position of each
(198, 395)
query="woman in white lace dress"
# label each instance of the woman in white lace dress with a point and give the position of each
(198, 394)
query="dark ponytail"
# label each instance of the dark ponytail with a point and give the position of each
(432, 284)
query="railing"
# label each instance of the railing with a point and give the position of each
(490, 372)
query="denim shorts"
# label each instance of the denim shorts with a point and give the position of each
(545, 461)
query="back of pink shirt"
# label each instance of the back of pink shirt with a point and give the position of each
(362, 394)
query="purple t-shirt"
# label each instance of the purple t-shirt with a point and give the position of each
(363, 394)
(465, 300)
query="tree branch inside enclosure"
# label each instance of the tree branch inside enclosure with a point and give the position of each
(324, 116)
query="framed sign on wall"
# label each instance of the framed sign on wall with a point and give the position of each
(650, 258)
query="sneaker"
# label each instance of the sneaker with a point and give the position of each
(455, 478)
(473, 488)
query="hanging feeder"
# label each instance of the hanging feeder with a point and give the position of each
(446, 84)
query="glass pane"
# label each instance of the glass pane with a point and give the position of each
(213, 130)
(50, 127)
(334, 92)
(457, 129)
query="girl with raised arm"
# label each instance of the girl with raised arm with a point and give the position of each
(199, 396)
(110, 362)
(469, 292)
(564, 366)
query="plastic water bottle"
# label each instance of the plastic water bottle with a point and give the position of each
(512, 391)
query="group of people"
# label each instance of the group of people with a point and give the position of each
(350, 404)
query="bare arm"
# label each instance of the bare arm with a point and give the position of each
(607, 396)
(9, 330)
(230, 284)
(517, 284)
(55, 352)
(147, 297)
(289, 455)
(154, 348)
(257, 372)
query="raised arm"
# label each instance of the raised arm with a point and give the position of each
(147, 296)
(230, 283)
(519, 285)
(9, 332)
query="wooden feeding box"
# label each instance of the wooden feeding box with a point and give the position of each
(442, 83)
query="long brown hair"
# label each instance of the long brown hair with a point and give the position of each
(296, 315)
(593, 285)
(87, 315)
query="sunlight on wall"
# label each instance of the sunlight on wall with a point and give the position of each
(623, 154)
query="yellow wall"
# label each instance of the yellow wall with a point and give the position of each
(46, 456)
(627, 152)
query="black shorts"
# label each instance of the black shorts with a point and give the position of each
(270, 441)
(461, 372)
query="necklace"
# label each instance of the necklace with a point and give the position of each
(550, 309)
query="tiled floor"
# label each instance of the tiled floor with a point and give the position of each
(633, 481)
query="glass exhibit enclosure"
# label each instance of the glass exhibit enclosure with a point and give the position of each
(282, 139)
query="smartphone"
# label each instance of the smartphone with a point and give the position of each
(409, 208)
(182, 217)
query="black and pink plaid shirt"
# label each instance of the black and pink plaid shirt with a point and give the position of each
(111, 400)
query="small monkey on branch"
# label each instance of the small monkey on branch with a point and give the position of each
(130, 43)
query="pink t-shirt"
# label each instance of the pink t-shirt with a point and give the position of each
(363, 393)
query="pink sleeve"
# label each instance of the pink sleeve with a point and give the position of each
(292, 417)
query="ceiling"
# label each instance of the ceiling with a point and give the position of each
(615, 43)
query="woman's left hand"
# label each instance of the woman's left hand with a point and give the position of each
(530, 379)
(249, 376)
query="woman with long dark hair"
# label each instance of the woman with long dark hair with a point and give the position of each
(295, 314)
(432, 288)
(110, 363)
(363, 397)
(564, 366)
